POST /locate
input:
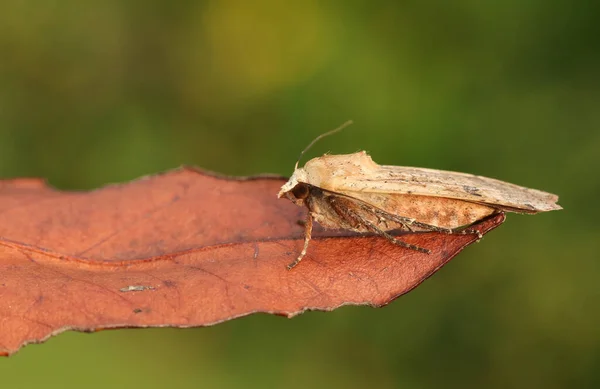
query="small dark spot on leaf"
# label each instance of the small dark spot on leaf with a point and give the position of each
(137, 310)
(169, 283)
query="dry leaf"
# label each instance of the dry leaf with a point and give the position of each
(183, 249)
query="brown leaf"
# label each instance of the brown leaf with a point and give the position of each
(183, 249)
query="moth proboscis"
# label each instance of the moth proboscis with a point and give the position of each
(352, 192)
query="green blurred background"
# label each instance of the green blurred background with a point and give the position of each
(106, 91)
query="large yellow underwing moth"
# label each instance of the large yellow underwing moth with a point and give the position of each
(353, 192)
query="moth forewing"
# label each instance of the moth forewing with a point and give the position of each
(351, 173)
(353, 192)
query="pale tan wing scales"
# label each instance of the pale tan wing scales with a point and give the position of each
(357, 172)
(437, 183)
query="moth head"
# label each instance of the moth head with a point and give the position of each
(296, 188)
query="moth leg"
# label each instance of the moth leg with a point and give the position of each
(412, 222)
(457, 230)
(385, 217)
(449, 231)
(308, 224)
(468, 231)
(404, 221)
(407, 222)
(349, 215)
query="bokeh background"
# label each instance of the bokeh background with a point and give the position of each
(98, 92)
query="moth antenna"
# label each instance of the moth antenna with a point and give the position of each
(340, 128)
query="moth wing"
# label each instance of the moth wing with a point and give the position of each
(440, 183)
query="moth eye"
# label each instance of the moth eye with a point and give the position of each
(300, 191)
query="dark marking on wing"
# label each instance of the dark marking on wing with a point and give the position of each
(472, 190)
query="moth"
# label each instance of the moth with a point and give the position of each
(354, 193)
